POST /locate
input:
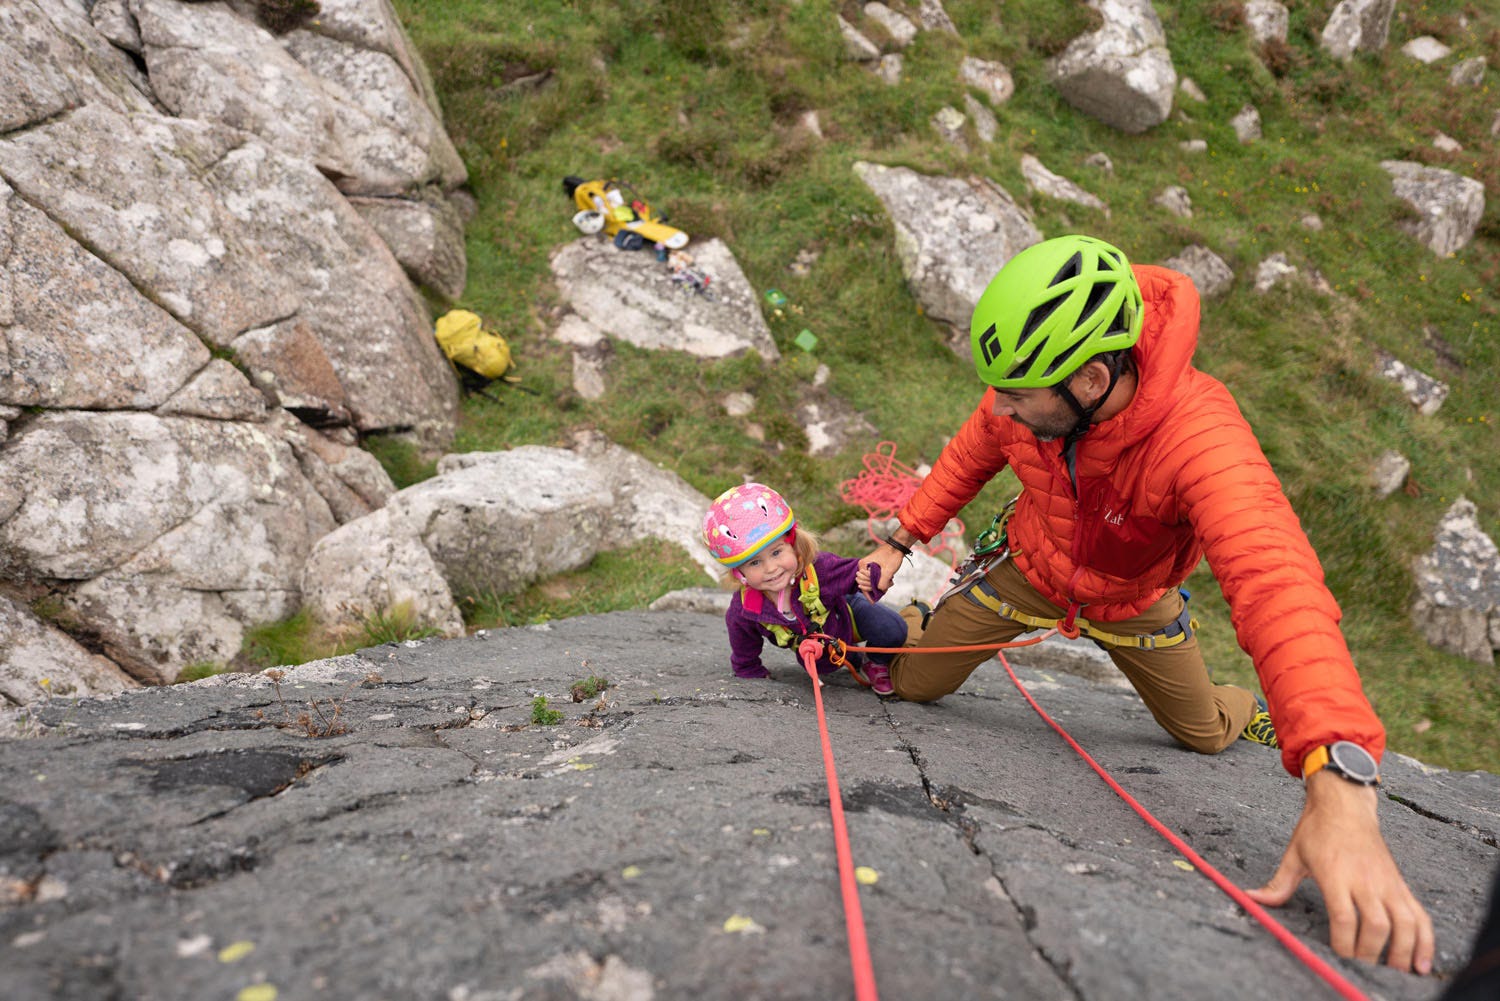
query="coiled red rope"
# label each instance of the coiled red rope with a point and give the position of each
(883, 489)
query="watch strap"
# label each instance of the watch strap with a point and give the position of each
(1316, 760)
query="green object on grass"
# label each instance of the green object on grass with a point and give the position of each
(806, 340)
(775, 297)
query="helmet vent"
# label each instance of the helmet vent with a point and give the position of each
(1097, 295)
(1039, 316)
(1061, 361)
(1071, 268)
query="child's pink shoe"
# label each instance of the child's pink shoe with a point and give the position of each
(880, 678)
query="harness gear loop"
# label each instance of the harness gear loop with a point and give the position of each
(1180, 630)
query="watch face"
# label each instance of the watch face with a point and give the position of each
(1354, 761)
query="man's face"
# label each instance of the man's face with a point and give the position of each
(1040, 411)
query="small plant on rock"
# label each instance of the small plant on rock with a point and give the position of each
(588, 687)
(541, 715)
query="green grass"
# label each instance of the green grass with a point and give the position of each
(697, 105)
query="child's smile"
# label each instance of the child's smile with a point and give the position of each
(773, 568)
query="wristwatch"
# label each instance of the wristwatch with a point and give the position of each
(1345, 759)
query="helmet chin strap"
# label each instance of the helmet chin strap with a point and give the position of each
(1085, 413)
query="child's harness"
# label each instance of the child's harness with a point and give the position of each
(810, 600)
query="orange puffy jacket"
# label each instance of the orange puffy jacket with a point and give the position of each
(1175, 476)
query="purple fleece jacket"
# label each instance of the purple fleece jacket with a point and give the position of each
(750, 614)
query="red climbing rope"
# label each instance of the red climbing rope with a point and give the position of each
(1294, 945)
(854, 918)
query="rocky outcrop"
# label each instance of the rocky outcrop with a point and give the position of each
(1458, 587)
(630, 296)
(1448, 206)
(490, 523)
(195, 319)
(1121, 74)
(951, 235)
(666, 837)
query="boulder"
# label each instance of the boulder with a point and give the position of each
(1426, 49)
(1121, 74)
(630, 296)
(895, 24)
(491, 523)
(933, 17)
(948, 123)
(1357, 26)
(986, 125)
(857, 46)
(163, 536)
(1272, 271)
(39, 661)
(1421, 390)
(1468, 72)
(990, 78)
(1176, 200)
(1457, 606)
(1389, 473)
(1210, 275)
(952, 235)
(368, 569)
(1246, 124)
(426, 233)
(1449, 206)
(830, 424)
(1042, 181)
(889, 68)
(1266, 20)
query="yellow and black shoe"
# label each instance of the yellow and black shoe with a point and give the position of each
(1260, 729)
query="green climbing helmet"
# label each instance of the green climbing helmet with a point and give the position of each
(1051, 308)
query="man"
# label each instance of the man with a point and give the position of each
(1133, 466)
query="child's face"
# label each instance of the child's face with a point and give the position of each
(773, 568)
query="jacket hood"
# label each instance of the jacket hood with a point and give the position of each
(1163, 355)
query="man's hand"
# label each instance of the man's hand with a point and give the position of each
(1370, 908)
(887, 559)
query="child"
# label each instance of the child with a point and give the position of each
(790, 588)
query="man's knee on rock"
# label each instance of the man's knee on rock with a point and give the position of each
(1204, 743)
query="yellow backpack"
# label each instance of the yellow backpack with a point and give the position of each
(464, 340)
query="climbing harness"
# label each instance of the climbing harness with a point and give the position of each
(1180, 630)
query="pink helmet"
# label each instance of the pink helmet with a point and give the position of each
(744, 520)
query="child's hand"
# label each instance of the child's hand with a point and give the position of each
(867, 579)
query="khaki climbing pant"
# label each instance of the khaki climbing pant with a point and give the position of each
(1172, 682)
